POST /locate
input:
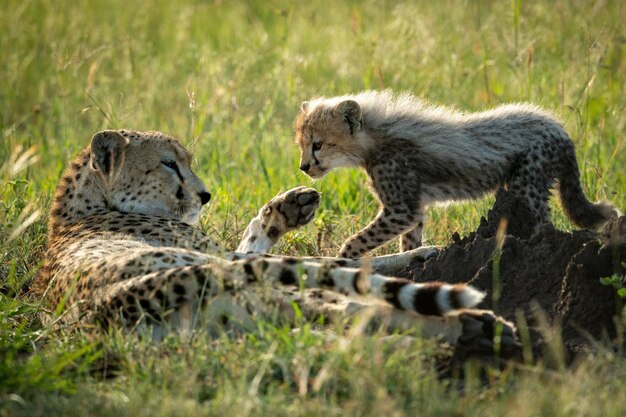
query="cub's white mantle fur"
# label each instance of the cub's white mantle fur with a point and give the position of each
(416, 154)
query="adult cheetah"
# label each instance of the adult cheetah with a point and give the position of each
(122, 252)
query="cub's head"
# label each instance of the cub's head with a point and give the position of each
(327, 132)
(147, 173)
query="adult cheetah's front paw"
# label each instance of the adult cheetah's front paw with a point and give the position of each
(484, 333)
(289, 210)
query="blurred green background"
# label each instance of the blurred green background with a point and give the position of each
(227, 78)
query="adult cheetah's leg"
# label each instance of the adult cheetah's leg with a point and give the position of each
(173, 299)
(473, 329)
(413, 238)
(281, 214)
(295, 208)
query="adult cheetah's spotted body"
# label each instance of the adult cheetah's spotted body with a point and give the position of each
(121, 252)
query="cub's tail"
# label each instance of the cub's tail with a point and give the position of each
(581, 211)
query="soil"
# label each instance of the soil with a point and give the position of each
(545, 275)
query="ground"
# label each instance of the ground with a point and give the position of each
(228, 79)
(538, 273)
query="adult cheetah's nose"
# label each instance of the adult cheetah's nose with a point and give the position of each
(205, 196)
(305, 167)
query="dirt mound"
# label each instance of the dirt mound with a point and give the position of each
(554, 270)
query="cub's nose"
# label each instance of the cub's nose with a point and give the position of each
(205, 196)
(305, 167)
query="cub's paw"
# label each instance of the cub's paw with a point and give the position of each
(289, 210)
(484, 333)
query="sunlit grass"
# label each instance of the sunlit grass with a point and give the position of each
(227, 78)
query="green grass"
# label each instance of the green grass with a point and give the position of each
(227, 78)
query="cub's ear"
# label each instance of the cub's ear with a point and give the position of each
(350, 111)
(304, 106)
(107, 151)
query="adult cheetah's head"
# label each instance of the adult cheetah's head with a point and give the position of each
(327, 132)
(132, 172)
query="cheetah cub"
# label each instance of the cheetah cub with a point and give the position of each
(416, 154)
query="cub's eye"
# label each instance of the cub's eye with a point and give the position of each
(317, 146)
(170, 164)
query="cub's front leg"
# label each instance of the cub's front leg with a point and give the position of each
(388, 224)
(399, 194)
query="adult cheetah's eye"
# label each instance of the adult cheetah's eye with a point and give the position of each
(317, 146)
(170, 164)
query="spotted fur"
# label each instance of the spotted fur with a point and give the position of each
(121, 251)
(416, 154)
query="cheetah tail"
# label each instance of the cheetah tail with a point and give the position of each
(581, 211)
(433, 299)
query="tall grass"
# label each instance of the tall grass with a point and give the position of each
(227, 78)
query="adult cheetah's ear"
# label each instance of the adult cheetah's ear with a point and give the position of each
(107, 151)
(350, 111)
